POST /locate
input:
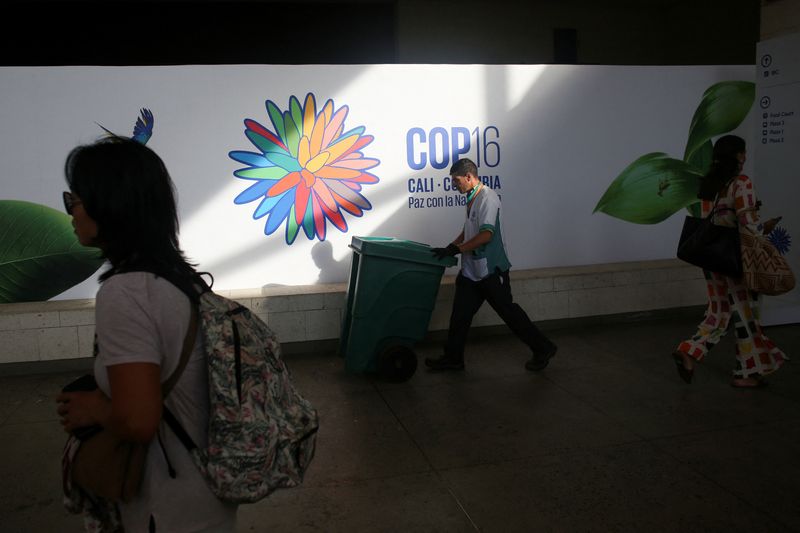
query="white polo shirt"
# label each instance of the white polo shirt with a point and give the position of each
(484, 214)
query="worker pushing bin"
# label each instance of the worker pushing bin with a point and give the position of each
(391, 293)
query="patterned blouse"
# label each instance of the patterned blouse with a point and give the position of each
(737, 201)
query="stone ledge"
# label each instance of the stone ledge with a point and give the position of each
(63, 329)
(289, 349)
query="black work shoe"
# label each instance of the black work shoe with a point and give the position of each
(444, 363)
(539, 361)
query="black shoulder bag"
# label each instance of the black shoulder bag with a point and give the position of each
(710, 246)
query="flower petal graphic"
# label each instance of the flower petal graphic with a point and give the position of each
(319, 217)
(366, 178)
(249, 158)
(279, 213)
(355, 131)
(262, 143)
(307, 172)
(303, 153)
(324, 194)
(337, 173)
(267, 205)
(308, 219)
(335, 217)
(346, 193)
(318, 162)
(256, 190)
(261, 173)
(291, 180)
(308, 177)
(356, 164)
(316, 136)
(327, 111)
(334, 125)
(277, 119)
(292, 227)
(359, 144)
(284, 161)
(309, 114)
(257, 128)
(348, 206)
(292, 134)
(301, 201)
(340, 147)
(297, 114)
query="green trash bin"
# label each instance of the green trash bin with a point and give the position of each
(390, 297)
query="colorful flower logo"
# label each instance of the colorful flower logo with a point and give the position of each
(308, 171)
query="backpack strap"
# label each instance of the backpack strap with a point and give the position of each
(166, 414)
(177, 428)
(186, 351)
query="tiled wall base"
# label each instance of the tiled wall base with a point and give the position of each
(61, 330)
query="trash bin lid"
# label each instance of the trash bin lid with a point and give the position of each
(403, 250)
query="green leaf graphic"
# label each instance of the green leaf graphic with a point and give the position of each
(701, 158)
(40, 256)
(650, 190)
(723, 107)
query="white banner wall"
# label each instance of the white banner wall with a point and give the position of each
(549, 139)
(777, 164)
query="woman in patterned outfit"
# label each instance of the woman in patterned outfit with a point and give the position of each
(729, 300)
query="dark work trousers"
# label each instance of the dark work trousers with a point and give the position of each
(495, 289)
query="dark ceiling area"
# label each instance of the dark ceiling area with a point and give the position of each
(175, 32)
(192, 32)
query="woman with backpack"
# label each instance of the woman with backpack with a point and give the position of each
(733, 197)
(121, 199)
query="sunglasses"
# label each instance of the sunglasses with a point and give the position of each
(70, 201)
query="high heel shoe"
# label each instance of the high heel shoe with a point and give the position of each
(686, 374)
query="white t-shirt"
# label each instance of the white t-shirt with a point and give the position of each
(142, 318)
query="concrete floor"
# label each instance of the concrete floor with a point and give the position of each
(607, 438)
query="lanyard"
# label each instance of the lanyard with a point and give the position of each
(472, 194)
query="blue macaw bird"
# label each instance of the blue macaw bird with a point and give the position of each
(142, 130)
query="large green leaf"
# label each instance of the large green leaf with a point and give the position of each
(723, 107)
(40, 256)
(700, 159)
(650, 189)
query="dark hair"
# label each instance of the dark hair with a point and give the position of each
(126, 189)
(724, 166)
(462, 167)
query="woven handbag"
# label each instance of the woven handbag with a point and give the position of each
(765, 270)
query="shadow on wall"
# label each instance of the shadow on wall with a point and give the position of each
(330, 270)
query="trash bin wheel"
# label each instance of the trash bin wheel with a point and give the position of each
(397, 363)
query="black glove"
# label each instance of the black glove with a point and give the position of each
(450, 251)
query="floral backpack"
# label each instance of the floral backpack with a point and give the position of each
(261, 432)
